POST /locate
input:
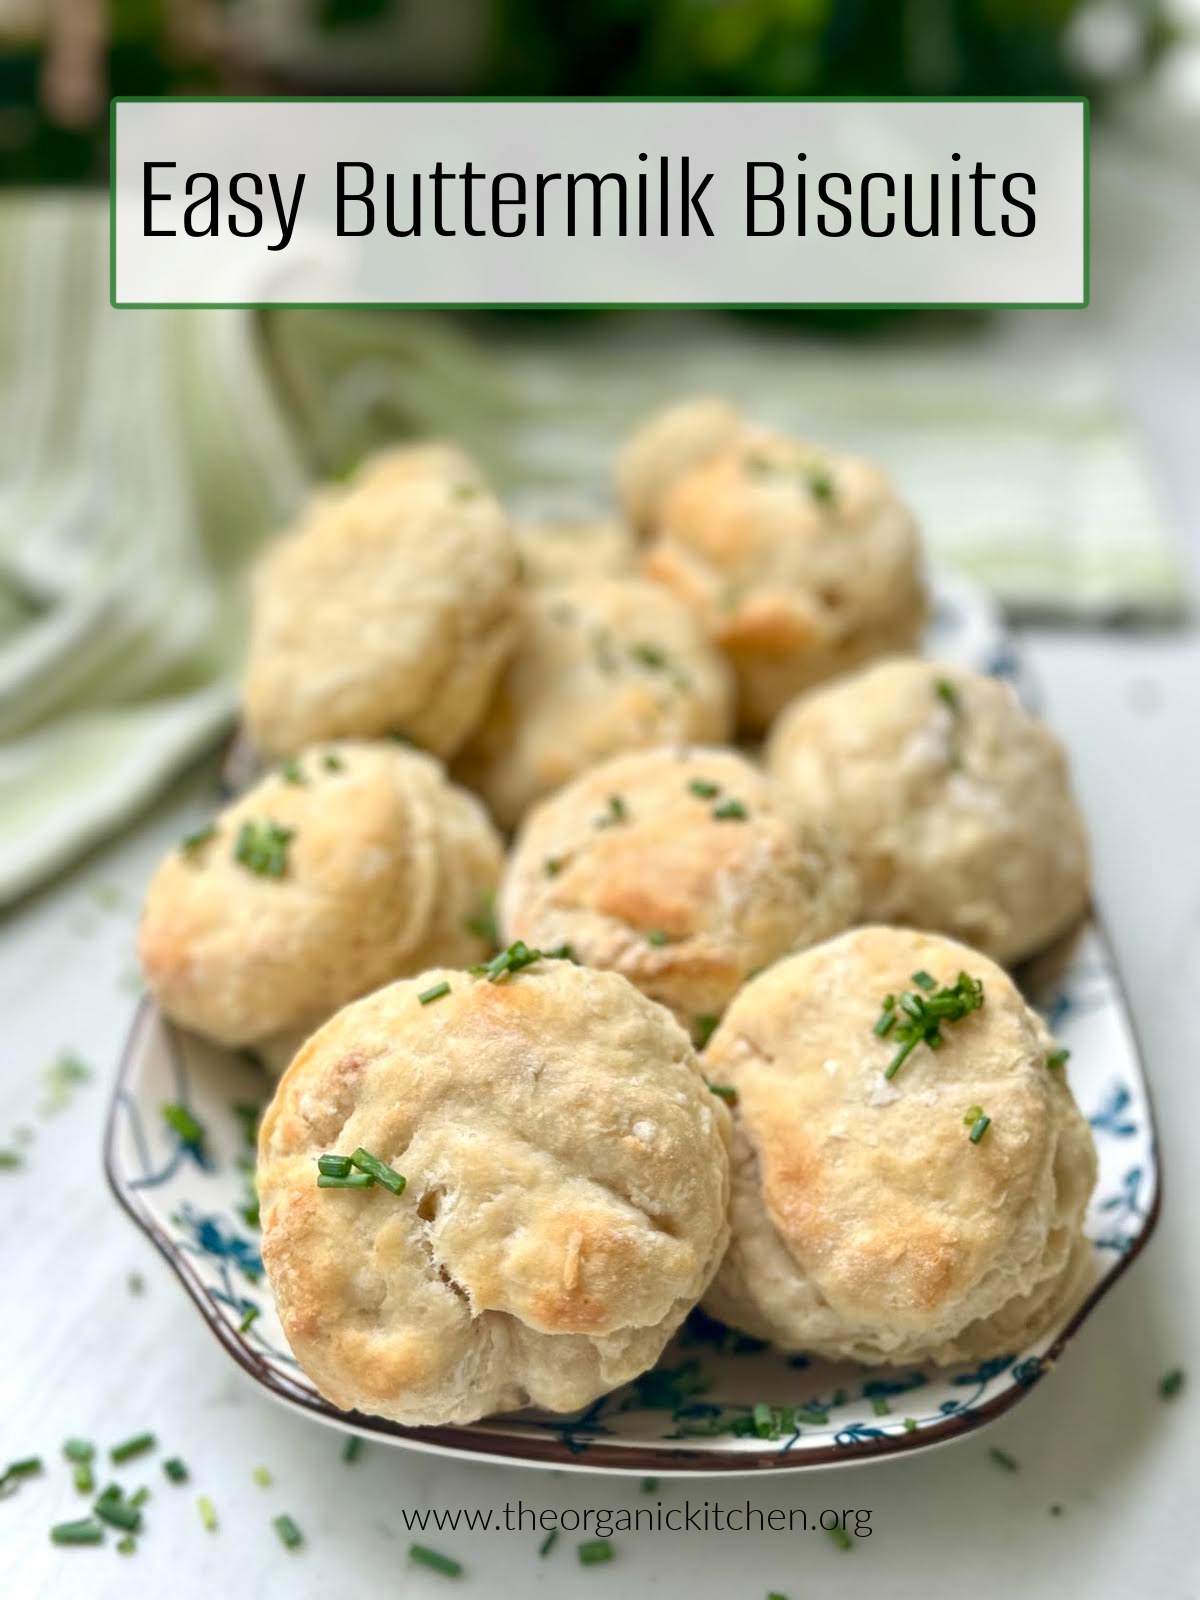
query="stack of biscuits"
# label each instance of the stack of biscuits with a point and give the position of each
(628, 910)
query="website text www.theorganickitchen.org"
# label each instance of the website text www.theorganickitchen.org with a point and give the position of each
(602, 1522)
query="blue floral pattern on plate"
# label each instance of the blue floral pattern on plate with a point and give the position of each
(718, 1401)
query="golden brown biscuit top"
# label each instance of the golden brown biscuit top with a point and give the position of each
(874, 1184)
(559, 1146)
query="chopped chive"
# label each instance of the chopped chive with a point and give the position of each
(820, 484)
(947, 694)
(910, 1424)
(118, 1513)
(84, 1478)
(552, 866)
(657, 937)
(764, 1421)
(515, 958)
(356, 1180)
(85, 1531)
(916, 1016)
(140, 1497)
(379, 1170)
(261, 1477)
(1057, 1058)
(335, 1166)
(290, 771)
(704, 789)
(435, 1561)
(483, 923)
(924, 980)
(705, 1027)
(724, 1091)
(840, 1537)
(251, 1313)
(972, 1115)
(548, 1542)
(812, 1416)
(135, 1283)
(181, 1121)
(649, 1485)
(175, 1469)
(428, 996)
(126, 1545)
(880, 1406)
(730, 811)
(137, 1446)
(617, 812)
(11, 1160)
(352, 1448)
(289, 1534)
(79, 1450)
(208, 1514)
(595, 1552)
(191, 844)
(1170, 1384)
(28, 1467)
(262, 847)
(982, 1124)
(649, 655)
(332, 762)
(1003, 1459)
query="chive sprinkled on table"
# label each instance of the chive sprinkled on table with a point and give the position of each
(175, 1469)
(249, 1316)
(16, 1472)
(193, 843)
(129, 1448)
(595, 1552)
(208, 1514)
(262, 1477)
(118, 1512)
(649, 1486)
(435, 1561)
(79, 1450)
(1003, 1459)
(1171, 1383)
(730, 811)
(83, 1477)
(289, 1534)
(437, 992)
(548, 1542)
(262, 847)
(352, 1449)
(839, 1536)
(916, 1016)
(84, 1531)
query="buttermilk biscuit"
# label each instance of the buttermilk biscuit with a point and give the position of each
(560, 551)
(664, 448)
(866, 1223)
(684, 869)
(390, 610)
(603, 665)
(402, 464)
(956, 803)
(800, 563)
(349, 866)
(567, 1182)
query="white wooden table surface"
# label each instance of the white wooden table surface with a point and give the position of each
(80, 1355)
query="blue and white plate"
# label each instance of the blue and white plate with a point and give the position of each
(696, 1411)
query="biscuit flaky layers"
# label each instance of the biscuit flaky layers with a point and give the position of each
(390, 610)
(800, 563)
(385, 869)
(956, 804)
(685, 869)
(603, 665)
(866, 1225)
(567, 1188)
